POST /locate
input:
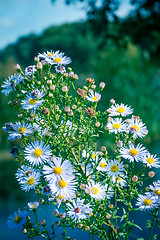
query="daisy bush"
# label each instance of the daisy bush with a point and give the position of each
(55, 142)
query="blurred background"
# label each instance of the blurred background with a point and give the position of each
(114, 41)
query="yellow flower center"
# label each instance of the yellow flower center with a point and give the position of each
(150, 160)
(57, 60)
(119, 179)
(136, 127)
(120, 110)
(21, 130)
(95, 98)
(157, 191)
(37, 152)
(133, 152)
(62, 183)
(57, 170)
(102, 165)
(50, 54)
(32, 101)
(17, 219)
(33, 206)
(114, 168)
(147, 201)
(30, 181)
(116, 125)
(93, 155)
(95, 190)
(60, 196)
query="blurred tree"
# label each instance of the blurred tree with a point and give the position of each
(141, 24)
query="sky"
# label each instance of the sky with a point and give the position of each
(22, 17)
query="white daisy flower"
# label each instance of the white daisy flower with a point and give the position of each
(33, 205)
(59, 59)
(30, 70)
(20, 129)
(137, 128)
(151, 160)
(120, 110)
(102, 165)
(146, 201)
(114, 168)
(10, 84)
(48, 54)
(120, 180)
(133, 153)
(32, 103)
(78, 210)
(25, 171)
(116, 126)
(95, 190)
(93, 96)
(37, 152)
(56, 168)
(155, 188)
(63, 187)
(30, 182)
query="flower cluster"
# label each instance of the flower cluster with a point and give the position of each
(61, 160)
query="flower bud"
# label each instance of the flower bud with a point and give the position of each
(82, 186)
(75, 76)
(102, 85)
(36, 59)
(67, 108)
(151, 174)
(62, 216)
(87, 228)
(45, 111)
(50, 95)
(57, 223)
(56, 213)
(134, 178)
(110, 206)
(74, 107)
(49, 81)
(17, 67)
(70, 113)
(112, 101)
(93, 86)
(52, 87)
(39, 65)
(64, 89)
(119, 143)
(71, 74)
(24, 231)
(79, 226)
(108, 216)
(43, 222)
(110, 119)
(97, 124)
(41, 200)
(65, 74)
(85, 88)
(147, 189)
(39, 82)
(103, 148)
